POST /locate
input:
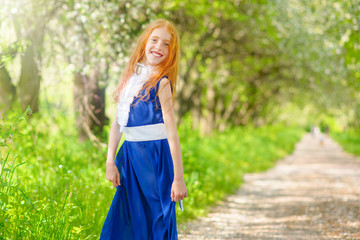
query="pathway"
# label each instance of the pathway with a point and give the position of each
(312, 194)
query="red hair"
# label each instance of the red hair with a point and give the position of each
(168, 67)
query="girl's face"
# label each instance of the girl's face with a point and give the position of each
(157, 47)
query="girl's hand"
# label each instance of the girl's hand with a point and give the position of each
(178, 190)
(112, 174)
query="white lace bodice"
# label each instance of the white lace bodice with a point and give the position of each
(134, 85)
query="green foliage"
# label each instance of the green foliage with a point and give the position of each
(214, 165)
(242, 62)
(350, 140)
(10, 191)
(232, 60)
(54, 187)
(319, 40)
(60, 192)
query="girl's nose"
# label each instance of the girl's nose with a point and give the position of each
(158, 45)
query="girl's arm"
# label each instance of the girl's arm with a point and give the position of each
(178, 189)
(112, 173)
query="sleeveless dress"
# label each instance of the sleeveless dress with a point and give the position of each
(142, 208)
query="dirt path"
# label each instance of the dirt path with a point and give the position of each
(312, 194)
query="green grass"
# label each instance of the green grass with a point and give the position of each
(349, 140)
(214, 166)
(54, 187)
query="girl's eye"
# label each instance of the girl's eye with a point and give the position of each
(166, 44)
(153, 40)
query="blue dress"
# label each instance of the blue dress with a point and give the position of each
(142, 207)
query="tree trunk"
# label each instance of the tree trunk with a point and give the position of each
(207, 122)
(7, 90)
(89, 106)
(29, 84)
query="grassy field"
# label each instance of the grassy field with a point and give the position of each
(53, 187)
(350, 141)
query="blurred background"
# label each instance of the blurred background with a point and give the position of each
(252, 73)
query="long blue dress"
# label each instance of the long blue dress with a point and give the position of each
(142, 207)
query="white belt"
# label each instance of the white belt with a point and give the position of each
(145, 133)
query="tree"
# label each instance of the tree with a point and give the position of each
(95, 37)
(29, 20)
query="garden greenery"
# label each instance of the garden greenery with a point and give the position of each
(350, 140)
(54, 186)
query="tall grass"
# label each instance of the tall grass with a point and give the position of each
(64, 193)
(10, 191)
(53, 187)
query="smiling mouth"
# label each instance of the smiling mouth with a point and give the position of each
(156, 54)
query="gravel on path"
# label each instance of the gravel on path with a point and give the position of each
(312, 194)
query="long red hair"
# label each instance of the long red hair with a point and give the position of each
(168, 67)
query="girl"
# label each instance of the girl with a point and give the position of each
(147, 170)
